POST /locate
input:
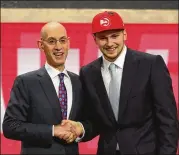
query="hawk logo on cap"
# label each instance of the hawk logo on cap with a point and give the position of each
(104, 22)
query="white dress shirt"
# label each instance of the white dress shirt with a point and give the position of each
(53, 73)
(119, 62)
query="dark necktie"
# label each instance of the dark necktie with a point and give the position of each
(63, 96)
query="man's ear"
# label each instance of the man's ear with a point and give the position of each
(125, 34)
(40, 45)
(68, 42)
(94, 37)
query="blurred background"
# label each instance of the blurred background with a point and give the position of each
(152, 27)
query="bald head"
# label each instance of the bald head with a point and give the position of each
(50, 27)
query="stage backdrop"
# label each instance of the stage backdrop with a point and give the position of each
(20, 54)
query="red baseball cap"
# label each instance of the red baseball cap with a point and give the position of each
(108, 20)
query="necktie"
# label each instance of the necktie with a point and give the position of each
(63, 96)
(114, 90)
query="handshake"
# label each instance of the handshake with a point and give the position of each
(68, 130)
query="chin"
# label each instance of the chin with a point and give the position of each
(112, 56)
(60, 64)
(60, 61)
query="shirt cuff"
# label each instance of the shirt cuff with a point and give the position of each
(78, 139)
(53, 130)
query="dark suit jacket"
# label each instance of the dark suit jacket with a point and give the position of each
(32, 110)
(147, 122)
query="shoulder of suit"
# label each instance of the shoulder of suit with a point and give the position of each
(142, 54)
(30, 74)
(72, 74)
(89, 65)
(139, 54)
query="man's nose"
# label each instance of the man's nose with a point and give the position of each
(109, 42)
(58, 45)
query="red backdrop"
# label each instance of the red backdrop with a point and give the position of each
(18, 39)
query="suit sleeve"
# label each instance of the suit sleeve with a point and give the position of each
(165, 108)
(15, 123)
(88, 117)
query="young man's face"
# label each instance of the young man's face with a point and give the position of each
(111, 43)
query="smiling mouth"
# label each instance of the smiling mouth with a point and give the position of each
(58, 54)
(111, 49)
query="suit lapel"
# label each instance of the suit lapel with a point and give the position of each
(74, 83)
(50, 92)
(129, 70)
(101, 90)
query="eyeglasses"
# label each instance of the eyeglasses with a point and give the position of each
(53, 41)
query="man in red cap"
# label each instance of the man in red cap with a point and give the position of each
(130, 100)
(129, 96)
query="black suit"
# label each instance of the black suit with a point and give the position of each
(32, 110)
(147, 121)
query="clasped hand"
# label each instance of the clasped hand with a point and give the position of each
(68, 130)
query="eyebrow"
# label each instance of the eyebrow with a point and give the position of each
(116, 33)
(63, 37)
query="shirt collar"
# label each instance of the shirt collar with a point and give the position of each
(118, 62)
(54, 72)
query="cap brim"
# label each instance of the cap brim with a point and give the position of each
(109, 30)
